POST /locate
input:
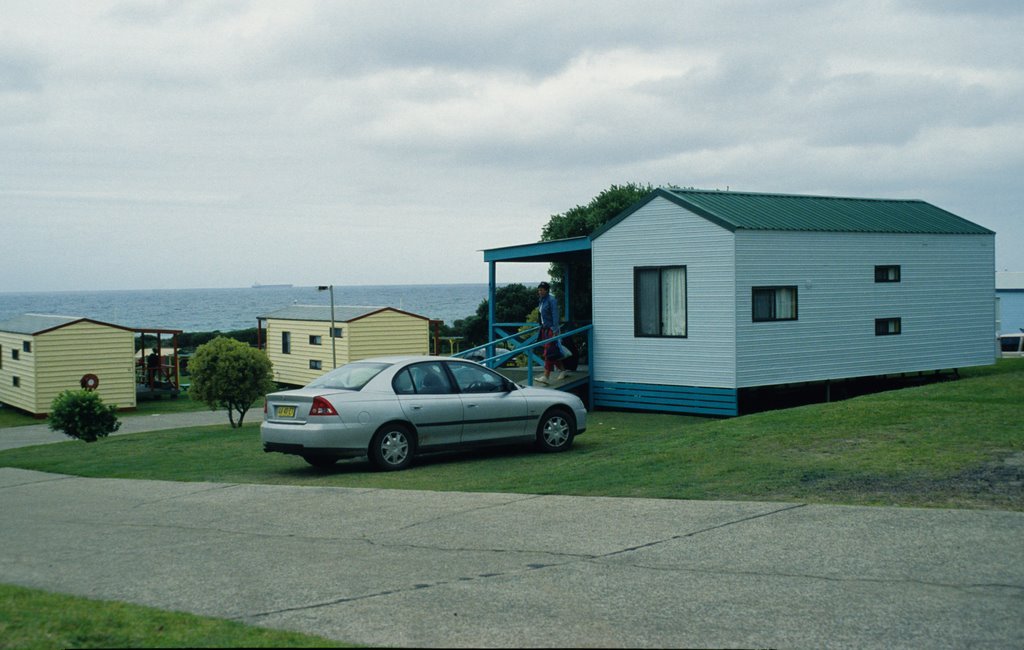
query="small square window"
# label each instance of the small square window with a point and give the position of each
(315, 364)
(888, 273)
(774, 303)
(14, 353)
(337, 333)
(26, 346)
(315, 339)
(888, 326)
(16, 381)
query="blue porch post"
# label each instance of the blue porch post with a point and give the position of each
(565, 290)
(490, 304)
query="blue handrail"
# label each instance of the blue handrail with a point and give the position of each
(526, 347)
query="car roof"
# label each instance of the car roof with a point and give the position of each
(408, 358)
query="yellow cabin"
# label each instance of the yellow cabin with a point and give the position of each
(298, 339)
(43, 355)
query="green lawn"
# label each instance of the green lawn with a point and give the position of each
(30, 618)
(950, 444)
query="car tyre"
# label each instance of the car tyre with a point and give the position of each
(555, 431)
(392, 448)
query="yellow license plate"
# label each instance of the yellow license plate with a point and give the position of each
(285, 411)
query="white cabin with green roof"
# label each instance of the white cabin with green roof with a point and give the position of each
(698, 295)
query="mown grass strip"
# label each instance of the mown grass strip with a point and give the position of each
(30, 618)
(949, 444)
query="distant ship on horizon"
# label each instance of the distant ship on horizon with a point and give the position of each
(270, 286)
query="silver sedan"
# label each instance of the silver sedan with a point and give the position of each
(392, 408)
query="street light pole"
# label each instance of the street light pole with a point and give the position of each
(334, 354)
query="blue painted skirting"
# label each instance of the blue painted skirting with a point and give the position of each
(674, 399)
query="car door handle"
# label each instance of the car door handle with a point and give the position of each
(471, 406)
(417, 407)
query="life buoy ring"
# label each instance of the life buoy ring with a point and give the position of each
(90, 381)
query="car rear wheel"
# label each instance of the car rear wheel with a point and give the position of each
(392, 448)
(555, 431)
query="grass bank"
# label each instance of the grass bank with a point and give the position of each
(952, 444)
(38, 619)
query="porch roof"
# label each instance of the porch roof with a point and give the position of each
(560, 250)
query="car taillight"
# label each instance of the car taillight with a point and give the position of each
(321, 407)
(264, 406)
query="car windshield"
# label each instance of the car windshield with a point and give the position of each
(352, 376)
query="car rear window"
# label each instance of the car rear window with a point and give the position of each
(352, 376)
(1010, 343)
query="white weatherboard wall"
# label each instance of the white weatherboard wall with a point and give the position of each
(663, 234)
(944, 299)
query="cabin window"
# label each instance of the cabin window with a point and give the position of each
(16, 381)
(774, 303)
(659, 301)
(14, 353)
(286, 342)
(1, 357)
(888, 326)
(315, 364)
(888, 273)
(315, 340)
(336, 333)
(26, 346)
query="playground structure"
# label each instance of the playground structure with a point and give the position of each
(157, 372)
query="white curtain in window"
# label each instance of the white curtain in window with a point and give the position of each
(673, 301)
(785, 303)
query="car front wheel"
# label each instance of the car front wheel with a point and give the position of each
(556, 431)
(392, 448)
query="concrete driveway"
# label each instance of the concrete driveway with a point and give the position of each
(432, 569)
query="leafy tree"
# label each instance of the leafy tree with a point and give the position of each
(230, 374)
(82, 414)
(512, 304)
(583, 220)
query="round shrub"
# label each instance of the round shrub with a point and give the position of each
(82, 414)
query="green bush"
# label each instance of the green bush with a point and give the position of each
(229, 374)
(82, 414)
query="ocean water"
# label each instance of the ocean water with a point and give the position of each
(208, 310)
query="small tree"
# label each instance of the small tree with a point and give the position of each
(82, 414)
(229, 374)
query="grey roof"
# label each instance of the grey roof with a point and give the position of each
(38, 323)
(342, 313)
(752, 211)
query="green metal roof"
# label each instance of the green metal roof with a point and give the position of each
(751, 211)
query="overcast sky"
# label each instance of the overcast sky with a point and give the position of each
(218, 143)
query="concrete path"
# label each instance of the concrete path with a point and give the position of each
(435, 569)
(39, 434)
